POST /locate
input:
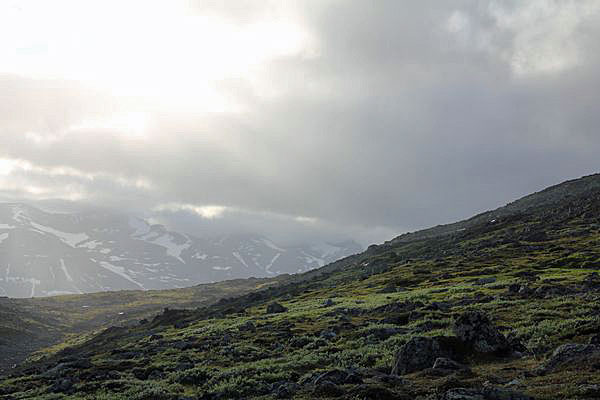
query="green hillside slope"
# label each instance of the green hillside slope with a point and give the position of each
(502, 306)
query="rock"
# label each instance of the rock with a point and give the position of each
(328, 335)
(385, 333)
(487, 393)
(328, 389)
(328, 303)
(447, 364)
(391, 288)
(514, 288)
(183, 366)
(180, 325)
(438, 306)
(285, 390)
(371, 392)
(336, 376)
(353, 378)
(569, 355)
(247, 327)
(66, 368)
(420, 353)
(475, 329)
(525, 291)
(298, 342)
(592, 281)
(485, 281)
(155, 375)
(62, 386)
(276, 308)
(516, 345)
(592, 391)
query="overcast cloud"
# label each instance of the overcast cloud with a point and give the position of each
(331, 118)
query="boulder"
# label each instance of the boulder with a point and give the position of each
(447, 364)
(64, 385)
(420, 353)
(328, 389)
(373, 392)
(276, 308)
(247, 327)
(569, 355)
(476, 330)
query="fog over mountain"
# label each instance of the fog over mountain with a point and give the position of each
(43, 254)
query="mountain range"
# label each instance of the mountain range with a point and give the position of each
(45, 254)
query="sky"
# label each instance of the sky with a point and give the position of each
(329, 119)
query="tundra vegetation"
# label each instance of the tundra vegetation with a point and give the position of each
(504, 305)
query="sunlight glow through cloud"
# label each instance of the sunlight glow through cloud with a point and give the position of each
(156, 50)
(207, 211)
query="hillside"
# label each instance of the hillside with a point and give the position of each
(504, 305)
(48, 254)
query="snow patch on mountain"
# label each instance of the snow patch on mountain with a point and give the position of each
(270, 264)
(91, 244)
(271, 245)
(173, 249)
(239, 258)
(72, 239)
(120, 271)
(65, 271)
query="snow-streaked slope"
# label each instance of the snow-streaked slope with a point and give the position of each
(44, 254)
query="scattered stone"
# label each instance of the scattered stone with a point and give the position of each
(180, 325)
(62, 386)
(447, 364)
(328, 389)
(514, 288)
(285, 390)
(336, 376)
(276, 308)
(592, 391)
(525, 291)
(485, 281)
(390, 288)
(247, 327)
(328, 335)
(592, 280)
(569, 355)
(420, 353)
(475, 329)
(371, 392)
(328, 303)
(486, 393)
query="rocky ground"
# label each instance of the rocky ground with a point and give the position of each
(504, 307)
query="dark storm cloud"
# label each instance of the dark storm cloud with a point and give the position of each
(403, 115)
